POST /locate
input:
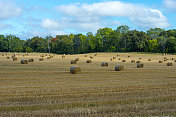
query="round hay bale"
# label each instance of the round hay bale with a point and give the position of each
(8, 57)
(175, 60)
(118, 55)
(42, 55)
(104, 64)
(160, 61)
(63, 56)
(123, 60)
(91, 57)
(132, 61)
(165, 59)
(140, 65)
(73, 61)
(85, 55)
(23, 61)
(89, 61)
(138, 61)
(48, 57)
(77, 59)
(120, 59)
(14, 58)
(75, 70)
(119, 68)
(23, 55)
(129, 56)
(113, 57)
(169, 64)
(41, 59)
(140, 58)
(149, 59)
(2, 54)
(31, 60)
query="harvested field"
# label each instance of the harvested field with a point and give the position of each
(48, 88)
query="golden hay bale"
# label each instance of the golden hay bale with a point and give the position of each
(41, 59)
(89, 61)
(169, 64)
(8, 57)
(31, 60)
(2, 54)
(85, 55)
(23, 55)
(129, 56)
(120, 59)
(14, 58)
(165, 59)
(140, 65)
(123, 60)
(63, 56)
(75, 70)
(42, 55)
(149, 59)
(51, 56)
(91, 57)
(23, 61)
(118, 55)
(104, 64)
(73, 61)
(132, 61)
(175, 60)
(140, 58)
(160, 61)
(77, 59)
(119, 68)
(138, 61)
(113, 57)
(48, 57)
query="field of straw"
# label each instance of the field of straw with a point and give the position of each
(47, 88)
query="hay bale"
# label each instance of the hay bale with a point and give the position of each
(89, 61)
(23, 55)
(123, 60)
(165, 59)
(119, 68)
(63, 56)
(42, 55)
(140, 65)
(169, 64)
(149, 59)
(85, 55)
(96, 54)
(31, 60)
(2, 54)
(120, 59)
(118, 55)
(91, 57)
(23, 61)
(113, 57)
(48, 57)
(14, 58)
(160, 61)
(132, 61)
(140, 58)
(73, 61)
(77, 59)
(75, 70)
(129, 56)
(138, 61)
(8, 57)
(41, 59)
(104, 64)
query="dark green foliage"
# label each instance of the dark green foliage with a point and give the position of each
(105, 40)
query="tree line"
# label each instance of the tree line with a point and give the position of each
(106, 39)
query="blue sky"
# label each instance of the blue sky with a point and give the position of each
(28, 18)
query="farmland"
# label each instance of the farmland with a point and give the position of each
(47, 88)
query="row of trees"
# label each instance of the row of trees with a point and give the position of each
(105, 40)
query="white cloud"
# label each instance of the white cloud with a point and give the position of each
(170, 4)
(8, 10)
(50, 24)
(95, 14)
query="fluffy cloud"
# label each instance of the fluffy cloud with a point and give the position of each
(171, 4)
(91, 15)
(50, 24)
(8, 10)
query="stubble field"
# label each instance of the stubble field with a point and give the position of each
(47, 88)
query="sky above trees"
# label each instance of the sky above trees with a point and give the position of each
(29, 18)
